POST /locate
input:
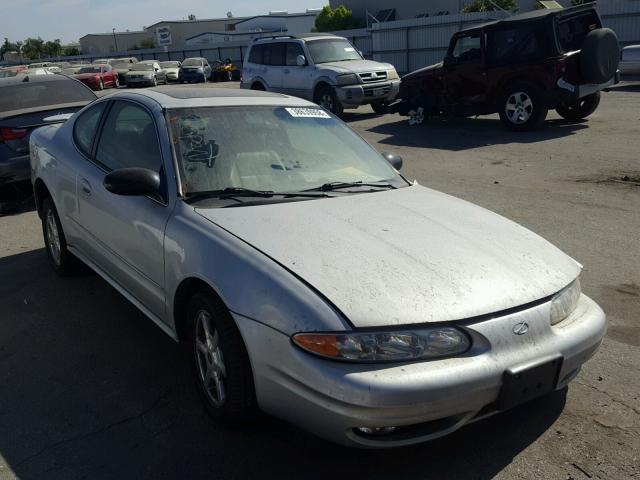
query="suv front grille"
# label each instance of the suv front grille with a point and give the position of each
(371, 77)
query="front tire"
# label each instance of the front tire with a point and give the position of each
(219, 360)
(101, 85)
(380, 108)
(581, 110)
(155, 81)
(63, 262)
(117, 82)
(326, 97)
(523, 107)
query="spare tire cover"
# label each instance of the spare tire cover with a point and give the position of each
(599, 56)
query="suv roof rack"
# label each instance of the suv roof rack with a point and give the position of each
(273, 37)
(301, 35)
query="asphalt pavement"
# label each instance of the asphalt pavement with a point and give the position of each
(89, 388)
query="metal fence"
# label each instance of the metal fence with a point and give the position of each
(406, 44)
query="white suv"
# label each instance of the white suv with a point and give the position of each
(320, 67)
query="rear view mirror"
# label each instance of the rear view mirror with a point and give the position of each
(394, 160)
(301, 61)
(133, 182)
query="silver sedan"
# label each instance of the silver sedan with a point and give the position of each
(303, 274)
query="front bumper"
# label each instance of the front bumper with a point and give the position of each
(364, 94)
(191, 77)
(171, 76)
(332, 398)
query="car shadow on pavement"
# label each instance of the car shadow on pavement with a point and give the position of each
(16, 198)
(456, 134)
(90, 388)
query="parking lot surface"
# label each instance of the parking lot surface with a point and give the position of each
(89, 388)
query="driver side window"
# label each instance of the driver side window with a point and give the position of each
(467, 49)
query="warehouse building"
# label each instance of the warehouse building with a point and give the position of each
(178, 34)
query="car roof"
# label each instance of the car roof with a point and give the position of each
(188, 97)
(532, 16)
(33, 79)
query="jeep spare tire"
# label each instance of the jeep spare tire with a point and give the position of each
(599, 56)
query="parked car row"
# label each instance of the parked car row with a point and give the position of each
(519, 67)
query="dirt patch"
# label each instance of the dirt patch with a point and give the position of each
(630, 289)
(612, 178)
(625, 334)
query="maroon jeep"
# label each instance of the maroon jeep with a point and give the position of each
(519, 67)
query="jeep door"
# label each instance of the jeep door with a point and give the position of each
(297, 80)
(465, 69)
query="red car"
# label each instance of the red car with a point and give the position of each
(98, 77)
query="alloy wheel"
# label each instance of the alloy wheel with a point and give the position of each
(326, 102)
(519, 108)
(209, 359)
(53, 237)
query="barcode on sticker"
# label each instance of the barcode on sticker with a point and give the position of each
(300, 112)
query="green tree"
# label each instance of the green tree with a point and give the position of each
(53, 49)
(340, 18)
(33, 48)
(70, 51)
(490, 5)
(8, 46)
(147, 43)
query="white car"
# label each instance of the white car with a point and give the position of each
(172, 68)
(323, 68)
(630, 60)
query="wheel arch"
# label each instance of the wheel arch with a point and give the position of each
(40, 193)
(320, 83)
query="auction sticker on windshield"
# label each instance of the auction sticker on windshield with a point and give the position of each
(307, 112)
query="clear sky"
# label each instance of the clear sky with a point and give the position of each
(68, 20)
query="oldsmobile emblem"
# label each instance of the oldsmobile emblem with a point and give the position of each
(520, 328)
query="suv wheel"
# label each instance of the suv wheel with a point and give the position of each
(585, 107)
(258, 86)
(326, 97)
(219, 360)
(522, 107)
(61, 260)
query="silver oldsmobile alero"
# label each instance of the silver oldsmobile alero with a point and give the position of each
(305, 276)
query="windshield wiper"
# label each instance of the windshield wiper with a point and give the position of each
(235, 192)
(328, 187)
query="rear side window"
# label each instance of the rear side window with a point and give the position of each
(43, 94)
(84, 129)
(571, 31)
(129, 139)
(516, 44)
(255, 56)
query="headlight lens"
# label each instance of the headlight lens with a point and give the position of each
(397, 346)
(565, 302)
(348, 79)
(392, 74)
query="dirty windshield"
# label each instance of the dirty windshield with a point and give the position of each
(285, 149)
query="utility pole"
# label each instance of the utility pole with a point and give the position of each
(115, 41)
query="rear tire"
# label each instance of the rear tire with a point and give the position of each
(581, 110)
(380, 108)
(258, 86)
(326, 97)
(522, 107)
(63, 262)
(219, 360)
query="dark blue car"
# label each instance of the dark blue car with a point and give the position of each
(196, 69)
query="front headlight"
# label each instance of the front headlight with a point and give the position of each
(399, 346)
(565, 301)
(348, 79)
(392, 74)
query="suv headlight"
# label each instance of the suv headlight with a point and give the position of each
(391, 346)
(392, 74)
(565, 301)
(348, 79)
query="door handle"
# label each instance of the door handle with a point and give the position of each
(85, 187)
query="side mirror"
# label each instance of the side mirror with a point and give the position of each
(393, 159)
(301, 61)
(133, 182)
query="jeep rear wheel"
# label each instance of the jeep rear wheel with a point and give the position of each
(522, 107)
(578, 111)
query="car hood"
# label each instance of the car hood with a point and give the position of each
(146, 73)
(405, 256)
(171, 70)
(423, 72)
(86, 76)
(355, 66)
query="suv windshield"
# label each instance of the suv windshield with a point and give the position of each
(192, 62)
(325, 51)
(280, 149)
